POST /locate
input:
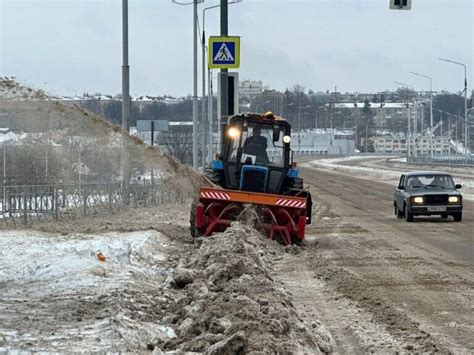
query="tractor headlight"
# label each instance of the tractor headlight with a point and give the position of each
(417, 199)
(286, 139)
(453, 199)
(233, 132)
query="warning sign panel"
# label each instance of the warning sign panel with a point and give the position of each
(224, 52)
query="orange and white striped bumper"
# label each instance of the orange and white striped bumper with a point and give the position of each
(251, 197)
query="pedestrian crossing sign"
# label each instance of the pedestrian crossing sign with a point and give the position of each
(224, 52)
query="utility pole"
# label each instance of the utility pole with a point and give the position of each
(431, 107)
(125, 101)
(208, 126)
(224, 82)
(125, 70)
(299, 126)
(195, 89)
(449, 135)
(409, 130)
(203, 99)
(209, 114)
(466, 133)
(441, 133)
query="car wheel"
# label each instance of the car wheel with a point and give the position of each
(398, 213)
(457, 216)
(408, 215)
(444, 215)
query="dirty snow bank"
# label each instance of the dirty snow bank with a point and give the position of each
(55, 295)
(11, 89)
(229, 303)
(80, 136)
(162, 291)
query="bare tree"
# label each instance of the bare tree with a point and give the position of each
(178, 144)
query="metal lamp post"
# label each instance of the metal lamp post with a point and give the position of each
(288, 105)
(455, 117)
(208, 124)
(299, 126)
(318, 109)
(466, 136)
(195, 93)
(262, 104)
(431, 107)
(408, 118)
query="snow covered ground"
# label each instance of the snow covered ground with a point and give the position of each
(388, 169)
(56, 292)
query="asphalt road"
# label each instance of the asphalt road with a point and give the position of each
(410, 282)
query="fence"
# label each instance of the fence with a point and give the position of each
(27, 203)
(443, 160)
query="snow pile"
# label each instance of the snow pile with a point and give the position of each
(11, 137)
(70, 135)
(227, 302)
(57, 295)
(11, 89)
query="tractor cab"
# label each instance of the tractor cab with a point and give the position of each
(256, 154)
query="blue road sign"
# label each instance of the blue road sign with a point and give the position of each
(224, 52)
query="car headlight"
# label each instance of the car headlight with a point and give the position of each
(453, 199)
(417, 199)
(286, 139)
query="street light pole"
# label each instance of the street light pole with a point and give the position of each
(203, 97)
(466, 133)
(207, 125)
(125, 101)
(318, 109)
(195, 93)
(195, 79)
(283, 106)
(262, 104)
(209, 83)
(431, 108)
(408, 118)
(224, 78)
(299, 126)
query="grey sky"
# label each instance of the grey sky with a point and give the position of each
(359, 45)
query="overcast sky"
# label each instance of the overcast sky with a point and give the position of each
(74, 46)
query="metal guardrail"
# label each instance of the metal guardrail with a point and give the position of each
(443, 160)
(28, 203)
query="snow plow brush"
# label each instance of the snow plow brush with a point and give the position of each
(280, 217)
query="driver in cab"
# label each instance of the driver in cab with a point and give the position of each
(256, 145)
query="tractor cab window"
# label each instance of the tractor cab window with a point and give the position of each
(256, 145)
(259, 148)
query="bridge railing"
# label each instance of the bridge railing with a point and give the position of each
(28, 203)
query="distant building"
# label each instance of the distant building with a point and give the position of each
(419, 146)
(320, 97)
(323, 142)
(268, 100)
(250, 88)
(383, 111)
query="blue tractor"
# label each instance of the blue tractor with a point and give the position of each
(254, 167)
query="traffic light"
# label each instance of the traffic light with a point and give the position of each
(400, 4)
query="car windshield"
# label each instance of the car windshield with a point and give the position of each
(258, 146)
(430, 182)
